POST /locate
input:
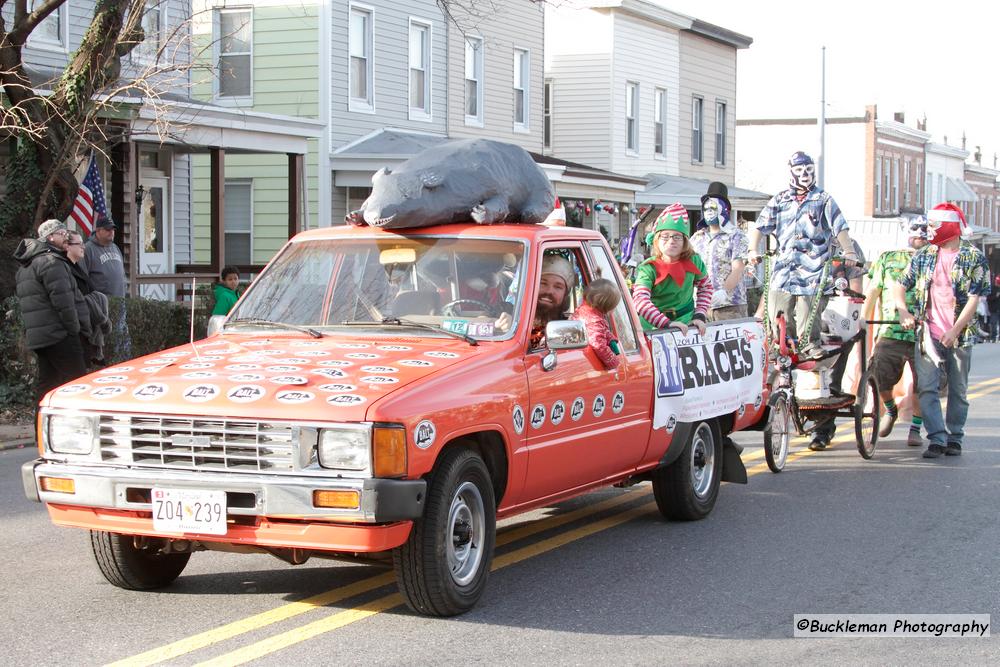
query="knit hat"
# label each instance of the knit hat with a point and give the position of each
(673, 218)
(557, 218)
(559, 266)
(947, 221)
(50, 227)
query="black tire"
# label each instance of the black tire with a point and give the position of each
(777, 435)
(132, 568)
(867, 412)
(443, 567)
(686, 490)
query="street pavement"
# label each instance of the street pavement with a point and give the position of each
(599, 579)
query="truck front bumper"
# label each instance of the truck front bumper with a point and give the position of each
(272, 496)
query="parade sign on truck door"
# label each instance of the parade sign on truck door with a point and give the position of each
(701, 377)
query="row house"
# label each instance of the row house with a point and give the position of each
(894, 169)
(985, 210)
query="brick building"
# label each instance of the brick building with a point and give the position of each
(894, 166)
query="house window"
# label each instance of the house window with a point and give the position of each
(474, 80)
(522, 74)
(906, 182)
(720, 134)
(697, 108)
(239, 221)
(916, 185)
(878, 185)
(886, 186)
(235, 40)
(660, 122)
(631, 117)
(420, 79)
(51, 33)
(547, 132)
(361, 60)
(895, 186)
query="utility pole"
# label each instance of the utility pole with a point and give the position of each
(822, 122)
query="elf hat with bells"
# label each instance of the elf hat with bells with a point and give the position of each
(673, 218)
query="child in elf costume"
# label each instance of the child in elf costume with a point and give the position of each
(672, 287)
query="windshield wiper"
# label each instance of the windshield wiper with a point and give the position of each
(257, 321)
(399, 322)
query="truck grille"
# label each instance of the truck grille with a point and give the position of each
(198, 444)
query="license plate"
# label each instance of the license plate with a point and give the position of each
(189, 511)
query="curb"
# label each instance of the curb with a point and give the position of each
(17, 444)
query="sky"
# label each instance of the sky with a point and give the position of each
(937, 60)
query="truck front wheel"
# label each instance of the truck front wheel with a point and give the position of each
(132, 567)
(686, 489)
(443, 567)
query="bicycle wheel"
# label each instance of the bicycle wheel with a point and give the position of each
(867, 411)
(777, 435)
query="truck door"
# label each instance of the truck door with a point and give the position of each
(579, 423)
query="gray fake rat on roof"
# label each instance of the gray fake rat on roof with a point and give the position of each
(460, 181)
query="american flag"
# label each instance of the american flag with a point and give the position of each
(90, 205)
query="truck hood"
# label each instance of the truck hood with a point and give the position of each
(283, 378)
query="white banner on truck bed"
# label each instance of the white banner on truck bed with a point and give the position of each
(698, 378)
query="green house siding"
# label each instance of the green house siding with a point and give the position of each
(285, 82)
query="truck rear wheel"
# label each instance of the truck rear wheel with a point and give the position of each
(686, 489)
(443, 567)
(133, 568)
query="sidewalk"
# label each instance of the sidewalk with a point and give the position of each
(16, 436)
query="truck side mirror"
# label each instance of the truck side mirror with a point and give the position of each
(215, 323)
(565, 335)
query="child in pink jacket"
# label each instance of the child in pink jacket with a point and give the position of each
(600, 297)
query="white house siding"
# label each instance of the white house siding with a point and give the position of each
(505, 26)
(581, 102)
(391, 24)
(39, 55)
(645, 53)
(183, 233)
(762, 162)
(708, 69)
(943, 162)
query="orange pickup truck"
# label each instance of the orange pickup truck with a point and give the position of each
(377, 394)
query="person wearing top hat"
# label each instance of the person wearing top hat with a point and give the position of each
(672, 288)
(723, 247)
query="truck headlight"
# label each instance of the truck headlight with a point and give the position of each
(72, 434)
(346, 448)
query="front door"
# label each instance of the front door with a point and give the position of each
(155, 235)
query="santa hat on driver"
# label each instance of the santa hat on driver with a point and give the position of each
(947, 221)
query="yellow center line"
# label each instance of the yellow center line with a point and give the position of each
(257, 621)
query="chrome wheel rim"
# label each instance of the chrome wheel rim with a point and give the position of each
(780, 436)
(465, 533)
(702, 460)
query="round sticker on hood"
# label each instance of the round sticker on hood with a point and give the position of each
(378, 379)
(293, 360)
(210, 358)
(416, 363)
(353, 346)
(335, 363)
(289, 379)
(618, 402)
(257, 343)
(441, 355)
(576, 410)
(599, 404)
(396, 348)
(305, 343)
(518, 419)
(246, 393)
(199, 375)
(176, 354)
(116, 369)
(293, 396)
(150, 391)
(151, 369)
(337, 388)
(332, 373)
(73, 389)
(314, 353)
(284, 369)
(108, 392)
(111, 379)
(538, 416)
(242, 378)
(558, 412)
(424, 434)
(345, 400)
(381, 370)
(242, 367)
(158, 361)
(197, 365)
(200, 393)
(361, 355)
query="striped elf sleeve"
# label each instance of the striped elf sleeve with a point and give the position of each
(704, 295)
(646, 308)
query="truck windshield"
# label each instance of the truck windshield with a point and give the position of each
(461, 285)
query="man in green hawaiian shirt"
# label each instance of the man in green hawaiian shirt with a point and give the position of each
(894, 344)
(948, 278)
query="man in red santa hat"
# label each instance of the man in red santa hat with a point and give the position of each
(948, 277)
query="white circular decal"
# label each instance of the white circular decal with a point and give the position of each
(197, 365)
(246, 393)
(293, 360)
(243, 378)
(353, 346)
(576, 410)
(200, 393)
(441, 355)
(314, 353)
(242, 367)
(741, 411)
(381, 370)
(246, 358)
(518, 419)
(335, 363)
(618, 402)
(397, 348)
(305, 343)
(150, 391)
(175, 355)
(424, 434)
(337, 388)
(671, 423)
(558, 412)
(416, 363)
(108, 392)
(158, 361)
(73, 389)
(110, 379)
(209, 358)
(284, 369)
(332, 373)
(361, 355)
(198, 375)
(344, 400)
(293, 396)
(757, 401)
(598, 408)
(378, 379)
(289, 379)
(257, 343)
(151, 369)
(116, 369)
(537, 416)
